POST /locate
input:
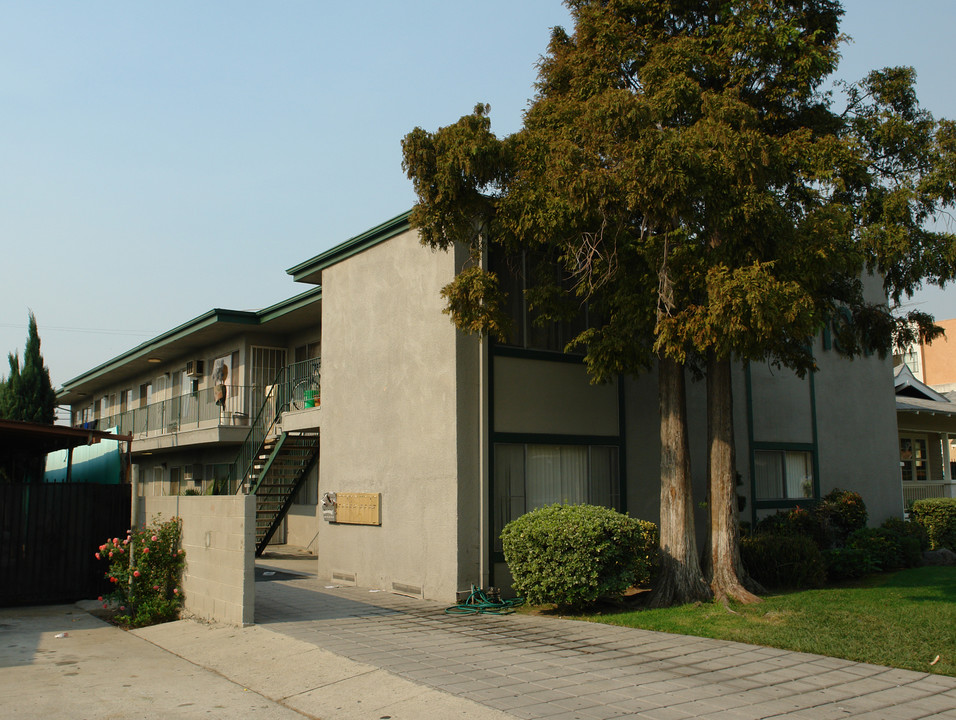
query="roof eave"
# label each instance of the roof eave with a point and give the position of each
(310, 271)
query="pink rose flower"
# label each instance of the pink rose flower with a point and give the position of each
(146, 550)
(155, 587)
(154, 538)
(111, 553)
(175, 591)
(97, 555)
(135, 573)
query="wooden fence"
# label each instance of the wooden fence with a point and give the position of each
(48, 535)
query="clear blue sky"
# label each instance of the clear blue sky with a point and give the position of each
(161, 159)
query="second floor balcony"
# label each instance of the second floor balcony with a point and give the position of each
(217, 414)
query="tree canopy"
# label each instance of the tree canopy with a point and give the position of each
(27, 393)
(686, 166)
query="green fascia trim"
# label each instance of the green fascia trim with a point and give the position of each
(353, 246)
(793, 446)
(294, 303)
(533, 354)
(552, 439)
(786, 503)
(216, 315)
(213, 317)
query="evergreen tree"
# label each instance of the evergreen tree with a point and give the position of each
(27, 394)
(682, 165)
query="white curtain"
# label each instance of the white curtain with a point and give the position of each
(768, 475)
(799, 475)
(509, 487)
(556, 474)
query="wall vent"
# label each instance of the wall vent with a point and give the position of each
(405, 589)
(345, 577)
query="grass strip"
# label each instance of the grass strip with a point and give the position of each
(902, 619)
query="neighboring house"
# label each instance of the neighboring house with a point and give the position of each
(933, 363)
(927, 425)
(432, 440)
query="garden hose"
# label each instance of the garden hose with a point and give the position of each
(479, 603)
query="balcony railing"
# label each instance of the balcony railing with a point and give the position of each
(296, 387)
(203, 409)
(927, 490)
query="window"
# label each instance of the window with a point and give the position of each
(312, 351)
(527, 477)
(783, 474)
(913, 466)
(515, 276)
(266, 363)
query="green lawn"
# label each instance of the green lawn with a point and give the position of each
(903, 619)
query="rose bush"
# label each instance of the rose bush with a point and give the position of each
(146, 587)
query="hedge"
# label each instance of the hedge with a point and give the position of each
(938, 516)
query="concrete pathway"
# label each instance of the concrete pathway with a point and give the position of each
(538, 667)
(345, 653)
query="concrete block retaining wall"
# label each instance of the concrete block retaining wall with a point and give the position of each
(219, 540)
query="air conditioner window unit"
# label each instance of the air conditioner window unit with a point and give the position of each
(194, 368)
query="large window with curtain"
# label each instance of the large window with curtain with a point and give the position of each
(783, 474)
(529, 476)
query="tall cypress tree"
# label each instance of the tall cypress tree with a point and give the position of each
(27, 394)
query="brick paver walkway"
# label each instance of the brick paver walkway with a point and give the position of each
(539, 667)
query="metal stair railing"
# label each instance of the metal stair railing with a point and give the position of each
(311, 453)
(288, 381)
(260, 428)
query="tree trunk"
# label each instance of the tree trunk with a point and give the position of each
(681, 580)
(729, 580)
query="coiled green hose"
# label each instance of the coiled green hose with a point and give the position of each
(479, 603)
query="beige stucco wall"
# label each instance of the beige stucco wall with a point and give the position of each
(399, 410)
(219, 540)
(856, 429)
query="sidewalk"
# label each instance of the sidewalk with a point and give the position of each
(99, 671)
(344, 653)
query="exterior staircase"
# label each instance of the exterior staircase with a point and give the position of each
(272, 464)
(282, 466)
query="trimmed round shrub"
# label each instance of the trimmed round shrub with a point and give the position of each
(573, 555)
(783, 561)
(938, 517)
